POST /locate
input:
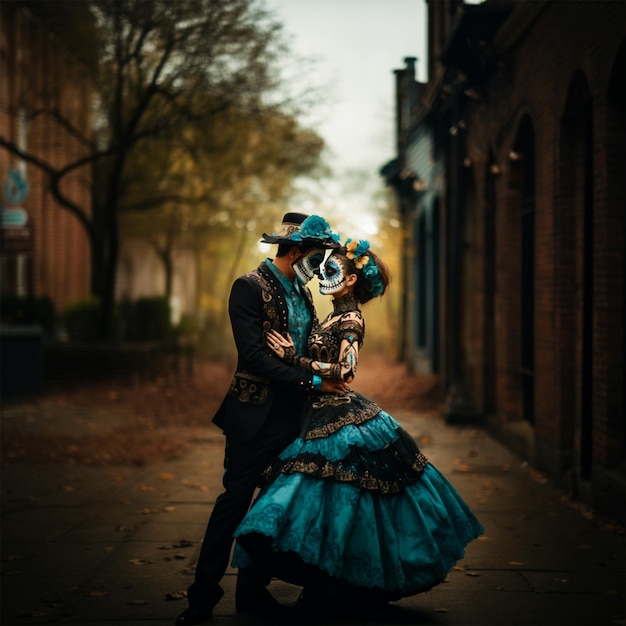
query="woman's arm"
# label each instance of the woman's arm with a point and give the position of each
(344, 369)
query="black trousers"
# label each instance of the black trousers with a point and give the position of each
(243, 465)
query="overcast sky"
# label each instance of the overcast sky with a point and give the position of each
(356, 46)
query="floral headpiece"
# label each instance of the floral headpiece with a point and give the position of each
(315, 229)
(357, 253)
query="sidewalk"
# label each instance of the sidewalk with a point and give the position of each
(117, 545)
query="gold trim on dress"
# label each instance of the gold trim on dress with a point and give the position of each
(344, 475)
(353, 416)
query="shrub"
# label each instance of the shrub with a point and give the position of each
(83, 319)
(148, 319)
(187, 327)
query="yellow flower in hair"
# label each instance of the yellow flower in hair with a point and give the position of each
(361, 261)
(351, 247)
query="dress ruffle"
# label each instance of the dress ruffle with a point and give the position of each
(361, 505)
(376, 455)
(373, 435)
(401, 544)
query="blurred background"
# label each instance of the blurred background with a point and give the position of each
(158, 144)
(146, 145)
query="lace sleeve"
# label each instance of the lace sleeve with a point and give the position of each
(350, 331)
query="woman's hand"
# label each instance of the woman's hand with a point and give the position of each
(280, 346)
(285, 350)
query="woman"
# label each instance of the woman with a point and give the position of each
(352, 509)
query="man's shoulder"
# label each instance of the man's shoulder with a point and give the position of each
(251, 275)
(258, 277)
(261, 271)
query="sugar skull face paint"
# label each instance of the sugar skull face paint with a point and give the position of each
(308, 265)
(333, 275)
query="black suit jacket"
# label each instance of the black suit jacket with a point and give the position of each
(256, 305)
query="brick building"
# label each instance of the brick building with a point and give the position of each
(45, 110)
(517, 147)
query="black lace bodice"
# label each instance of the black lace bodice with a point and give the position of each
(345, 321)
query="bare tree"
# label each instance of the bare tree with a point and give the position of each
(157, 61)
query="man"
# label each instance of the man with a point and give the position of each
(260, 414)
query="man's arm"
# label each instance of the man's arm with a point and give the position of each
(246, 316)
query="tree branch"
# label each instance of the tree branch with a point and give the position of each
(72, 130)
(55, 181)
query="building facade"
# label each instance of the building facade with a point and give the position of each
(45, 111)
(524, 108)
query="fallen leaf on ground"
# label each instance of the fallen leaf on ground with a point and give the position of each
(538, 477)
(55, 605)
(96, 594)
(177, 595)
(125, 529)
(198, 486)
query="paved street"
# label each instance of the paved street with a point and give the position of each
(117, 545)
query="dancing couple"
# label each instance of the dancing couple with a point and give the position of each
(349, 508)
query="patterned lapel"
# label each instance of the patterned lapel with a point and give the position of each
(274, 303)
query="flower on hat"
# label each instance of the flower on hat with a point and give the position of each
(316, 227)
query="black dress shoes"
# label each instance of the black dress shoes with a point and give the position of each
(193, 616)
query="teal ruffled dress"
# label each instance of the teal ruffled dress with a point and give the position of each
(353, 503)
